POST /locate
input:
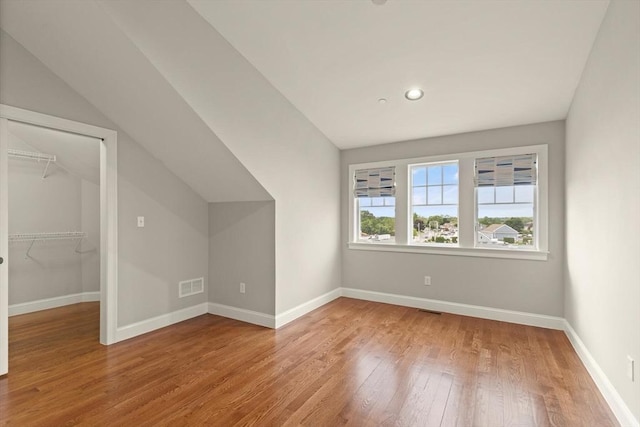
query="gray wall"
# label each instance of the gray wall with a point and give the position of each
(529, 286)
(90, 224)
(174, 244)
(602, 278)
(242, 249)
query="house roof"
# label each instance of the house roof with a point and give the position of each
(504, 228)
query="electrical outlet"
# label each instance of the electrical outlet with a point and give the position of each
(630, 367)
(427, 280)
(242, 288)
(140, 221)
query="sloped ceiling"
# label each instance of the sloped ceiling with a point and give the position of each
(278, 144)
(482, 63)
(80, 43)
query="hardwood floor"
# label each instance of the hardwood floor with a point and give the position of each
(350, 362)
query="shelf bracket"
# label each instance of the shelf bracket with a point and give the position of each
(46, 167)
(27, 256)
(77, 249)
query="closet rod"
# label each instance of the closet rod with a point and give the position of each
(31, 155)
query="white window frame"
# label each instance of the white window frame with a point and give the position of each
(467, 205)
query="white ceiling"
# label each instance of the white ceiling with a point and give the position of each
(482, 64)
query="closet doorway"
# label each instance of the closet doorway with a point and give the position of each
(72, 245)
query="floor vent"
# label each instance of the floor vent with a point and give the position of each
(429, 311)
(191, 287)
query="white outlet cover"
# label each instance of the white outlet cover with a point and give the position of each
(140, 221)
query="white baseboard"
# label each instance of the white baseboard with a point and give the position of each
(254, 317)
(299, 311)
(45, 304)
(617, 405)
(522, 318)
(282, 319)
(269, 320)
(144, 326)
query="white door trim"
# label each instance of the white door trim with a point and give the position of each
(4, 250)
(108, 219)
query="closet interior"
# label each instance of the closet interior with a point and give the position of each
(54, 218)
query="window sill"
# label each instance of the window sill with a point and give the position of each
(455, 251)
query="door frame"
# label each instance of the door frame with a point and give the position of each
(108, 219)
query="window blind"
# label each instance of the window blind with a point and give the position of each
(506, 171)
(378, 182)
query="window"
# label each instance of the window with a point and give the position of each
(434, 203)
(374, 190)
(505, 201)
(489, 203)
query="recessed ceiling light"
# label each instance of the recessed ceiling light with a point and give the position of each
(414, 94)
(382, 100)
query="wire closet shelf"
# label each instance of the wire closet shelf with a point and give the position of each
(35, 237)
(30, 155)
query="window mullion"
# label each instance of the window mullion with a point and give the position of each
(402, 205)
(466, 203)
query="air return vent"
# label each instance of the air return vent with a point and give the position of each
(191, 287)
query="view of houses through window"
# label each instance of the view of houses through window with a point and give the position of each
(501, 222)
(505, 216)
(434, 203)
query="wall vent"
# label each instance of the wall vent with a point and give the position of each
(191, 287)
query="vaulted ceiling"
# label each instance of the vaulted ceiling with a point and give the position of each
(194, 81)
